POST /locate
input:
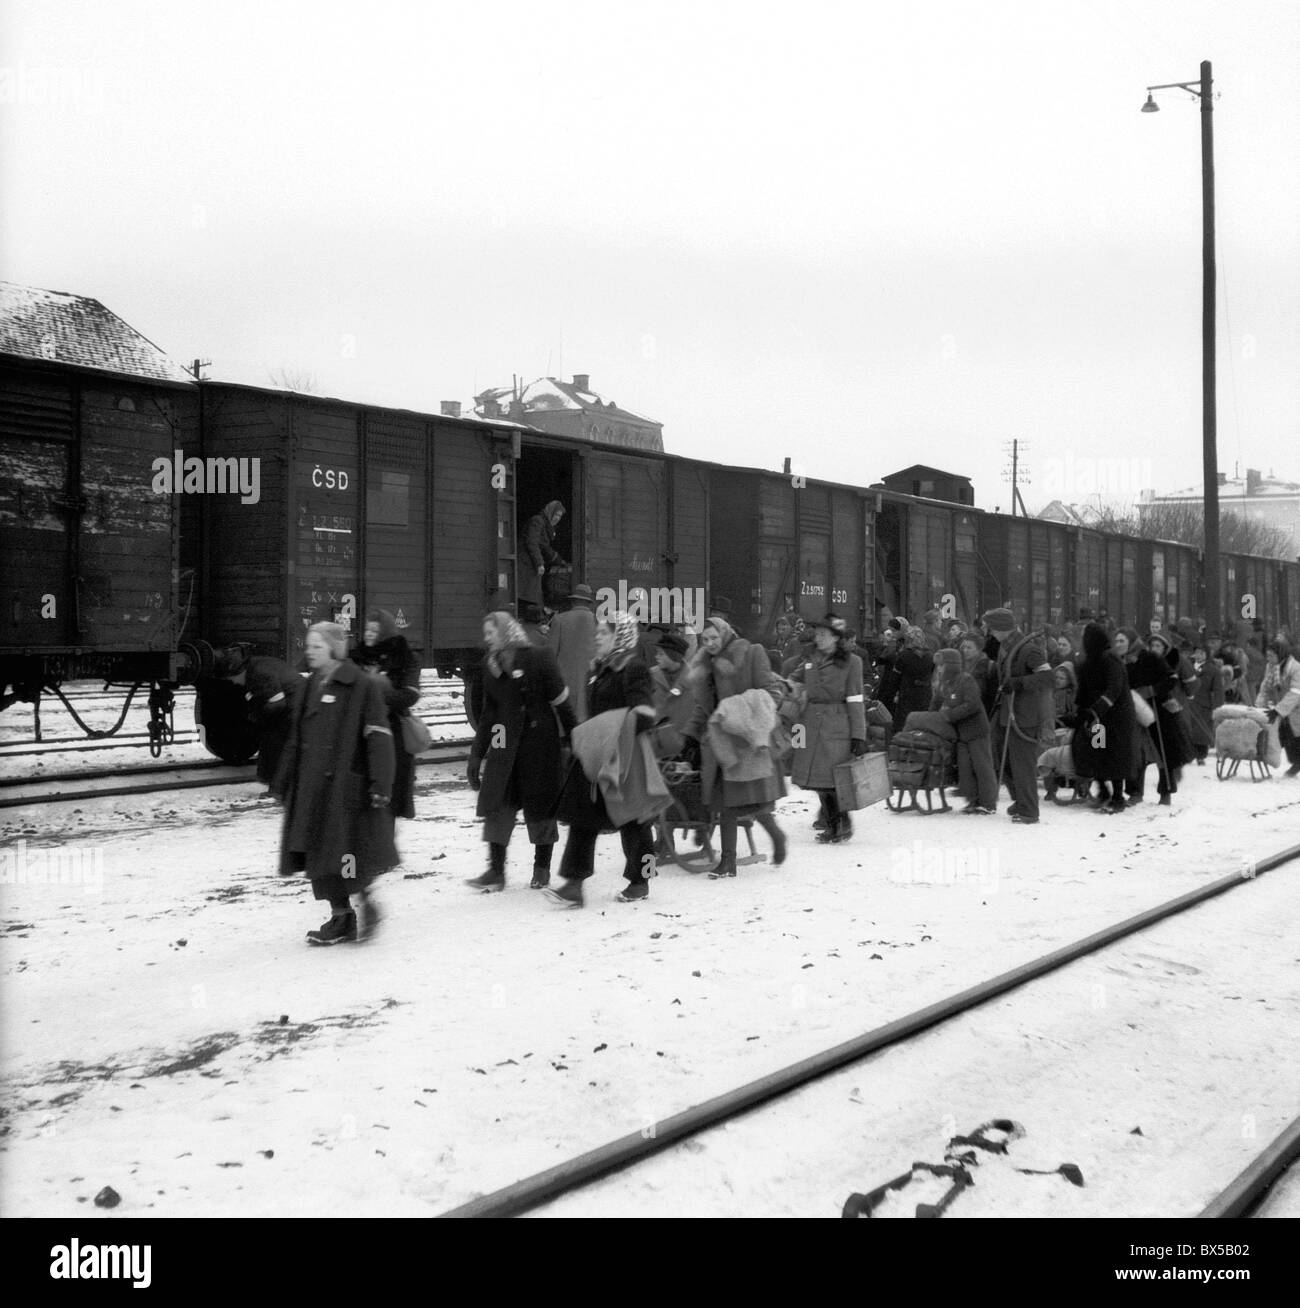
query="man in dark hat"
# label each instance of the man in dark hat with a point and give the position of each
(672, 694)
(573, 639)
(1024, 713)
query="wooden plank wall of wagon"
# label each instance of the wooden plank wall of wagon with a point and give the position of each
(846, 596)
(966, 566)
(37, 426)
(396, 522)
(733, 543)
(245, 592)
(690, 531)
(643, 538)
(929, 558)
(602, 483)
(126, 595)
(813, 507)
(464, 523)
(325, 501)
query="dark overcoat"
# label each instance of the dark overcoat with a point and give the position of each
(961, 704)
(338, 751)
(536, 550)
(915, 669)
(399, 672)
(1108, 754)
(269, 688)
(1024, 680)
(572, 638)
(621, 683)
(1156, 680)
(833, 716)
(521, 733)
(674, 706)
(737, 667)
(1205, 699)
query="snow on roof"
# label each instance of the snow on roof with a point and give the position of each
(1235, 486)
(76, 330)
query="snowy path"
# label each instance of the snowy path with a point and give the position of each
(167, 1031)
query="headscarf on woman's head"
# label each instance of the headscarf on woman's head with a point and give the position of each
(386, 622)
(724, 629)
(626, 634)
(548, 512)
(510, 636)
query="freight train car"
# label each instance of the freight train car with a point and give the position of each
(88, 531)
(363, 507)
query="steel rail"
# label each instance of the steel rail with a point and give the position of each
(1246, 1191)
(236, 776)
(618, 1154)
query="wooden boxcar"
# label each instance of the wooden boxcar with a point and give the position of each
(364, 507)
(87, 545)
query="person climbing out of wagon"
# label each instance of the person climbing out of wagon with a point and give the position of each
(738, 772)
(384, 652)
(335, 780)
(957, 698)
(612, 782)
(832, 727)
(1024, 710)
(537, 553)
(516, 759)
(1279, 695)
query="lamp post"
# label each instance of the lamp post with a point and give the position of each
(1209, 434)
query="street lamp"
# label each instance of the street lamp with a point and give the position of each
(1209, 450)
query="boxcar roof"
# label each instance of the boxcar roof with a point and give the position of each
(78, 332)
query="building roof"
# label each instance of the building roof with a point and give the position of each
(1234, 488)
(1057, 511)
(549, 393)
(57, 327)
(909, 473)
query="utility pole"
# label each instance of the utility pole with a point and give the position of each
(197, 368)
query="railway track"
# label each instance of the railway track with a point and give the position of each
(1240, 1197)
(76, 786)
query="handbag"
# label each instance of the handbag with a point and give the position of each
(415, 735)
(1145, 714)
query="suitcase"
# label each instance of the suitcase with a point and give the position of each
(861, 782)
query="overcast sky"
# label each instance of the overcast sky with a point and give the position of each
(861, 235)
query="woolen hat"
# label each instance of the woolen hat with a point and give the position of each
(947, 658)
(675, 644)
(1000, 620)
(832, 622)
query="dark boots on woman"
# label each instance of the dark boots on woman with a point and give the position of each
(541, 867)
(725, 867)
(775, 834)
(341, 929)
(495, 876)
(569, 895)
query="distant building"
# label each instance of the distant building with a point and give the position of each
(932, 484)
(74, 330)
(1266, 499)
(571, 409)
(1069, 514)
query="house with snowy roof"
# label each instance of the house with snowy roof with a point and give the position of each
(571, 409)
(56, 327)
(1268, 499)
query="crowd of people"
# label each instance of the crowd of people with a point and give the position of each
(584, 715)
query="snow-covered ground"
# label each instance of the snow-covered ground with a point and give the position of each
(168, 1032)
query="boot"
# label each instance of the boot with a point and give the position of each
(541, 867)
(768, 822)
(633, 891)
(569, 895)
(495, 876)
(725, 867)
(1165, 799)
(371, 917)
(339, 930)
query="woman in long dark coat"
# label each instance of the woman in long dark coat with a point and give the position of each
(833, 720)
(537, 553)
(730, 665)
(1207, 697)
(385, 652)
(1169, 745)
(915, 666)
(1104, 723)
(515, 760)
(335, 781)
(619, 680)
